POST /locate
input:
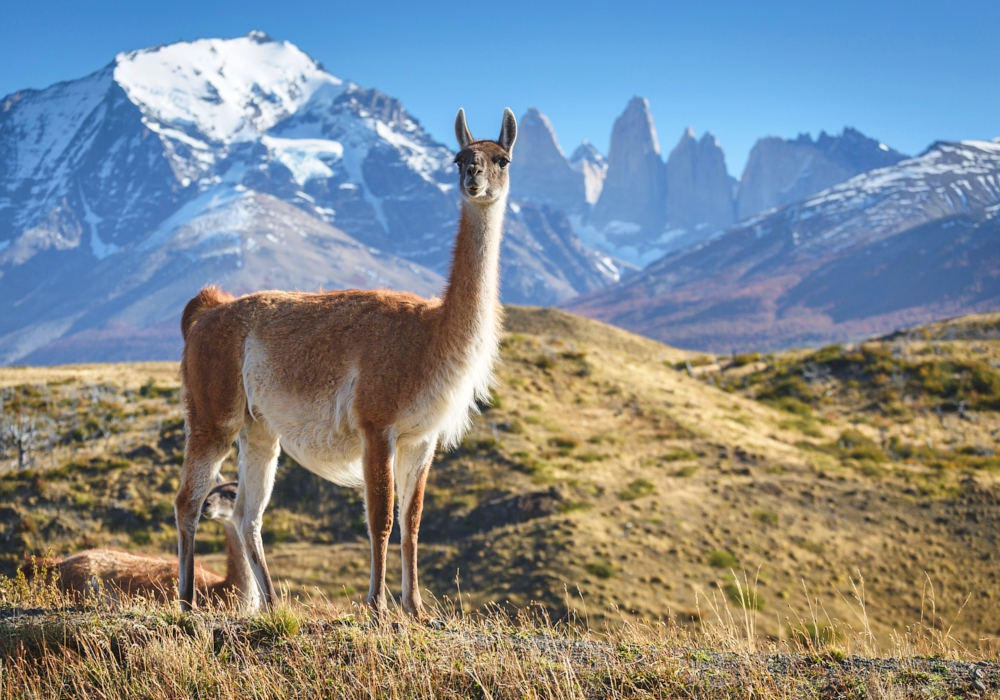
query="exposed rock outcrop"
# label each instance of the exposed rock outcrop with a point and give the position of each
(540, 172)
(699, 190)
(780, 171)
(592, 164)
(632, 206)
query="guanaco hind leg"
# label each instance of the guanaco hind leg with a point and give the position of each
(258, 461)
(412, 465)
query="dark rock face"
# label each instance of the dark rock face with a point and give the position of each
(779, 172)
(632, 206)
(540, 172)
(907, 244)
(699, 190)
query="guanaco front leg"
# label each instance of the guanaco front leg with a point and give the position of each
(258, 462)
(203, 455)
(378, 459)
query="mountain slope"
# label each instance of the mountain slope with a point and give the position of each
(840, 264)
(240, 239)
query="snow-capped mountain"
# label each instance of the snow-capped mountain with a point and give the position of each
(190, 163)
(896, 246)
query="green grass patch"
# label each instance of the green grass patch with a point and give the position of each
(721, 559)
(768, 517)
(637, 489)
(601, 569)
(679, 455)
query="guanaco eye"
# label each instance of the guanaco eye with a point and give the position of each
(502, 162)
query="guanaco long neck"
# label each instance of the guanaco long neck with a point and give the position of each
(470, 309)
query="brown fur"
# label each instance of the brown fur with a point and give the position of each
(209, 297)
(342, 377)
(118, 572)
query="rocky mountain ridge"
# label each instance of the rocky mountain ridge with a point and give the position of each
(638, 207)
(904, 244)
(780, 171)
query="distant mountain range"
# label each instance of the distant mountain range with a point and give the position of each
(638, 207)
(244, 163)
(893, 247)
(239, 162)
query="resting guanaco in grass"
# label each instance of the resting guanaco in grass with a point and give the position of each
(358, 386)
(115, 572)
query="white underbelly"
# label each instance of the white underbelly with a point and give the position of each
(338, 461)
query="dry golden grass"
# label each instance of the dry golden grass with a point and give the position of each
(125, 375)
(102, 647)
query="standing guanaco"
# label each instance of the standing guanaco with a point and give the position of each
(358, 386)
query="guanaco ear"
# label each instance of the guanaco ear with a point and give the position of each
(508, 131)
(462, 132)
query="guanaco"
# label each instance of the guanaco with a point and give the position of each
(115, 572)
(358, 386)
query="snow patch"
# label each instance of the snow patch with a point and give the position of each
(306, 158)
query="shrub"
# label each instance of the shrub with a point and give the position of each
(816, 548)
(853, 444)
(745, 359)
(791, 405)
(564, 444)
(544, 362)
(721, 559)
(768, 517)
(601, 569)
(831, 356)
(637, 489)
(679, 455)
(569, 506)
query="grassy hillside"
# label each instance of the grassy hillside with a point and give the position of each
(612, 476)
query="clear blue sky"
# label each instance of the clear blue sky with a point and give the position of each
(907, 73)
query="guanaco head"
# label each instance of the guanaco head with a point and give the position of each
(220, 503)
(482, 165)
